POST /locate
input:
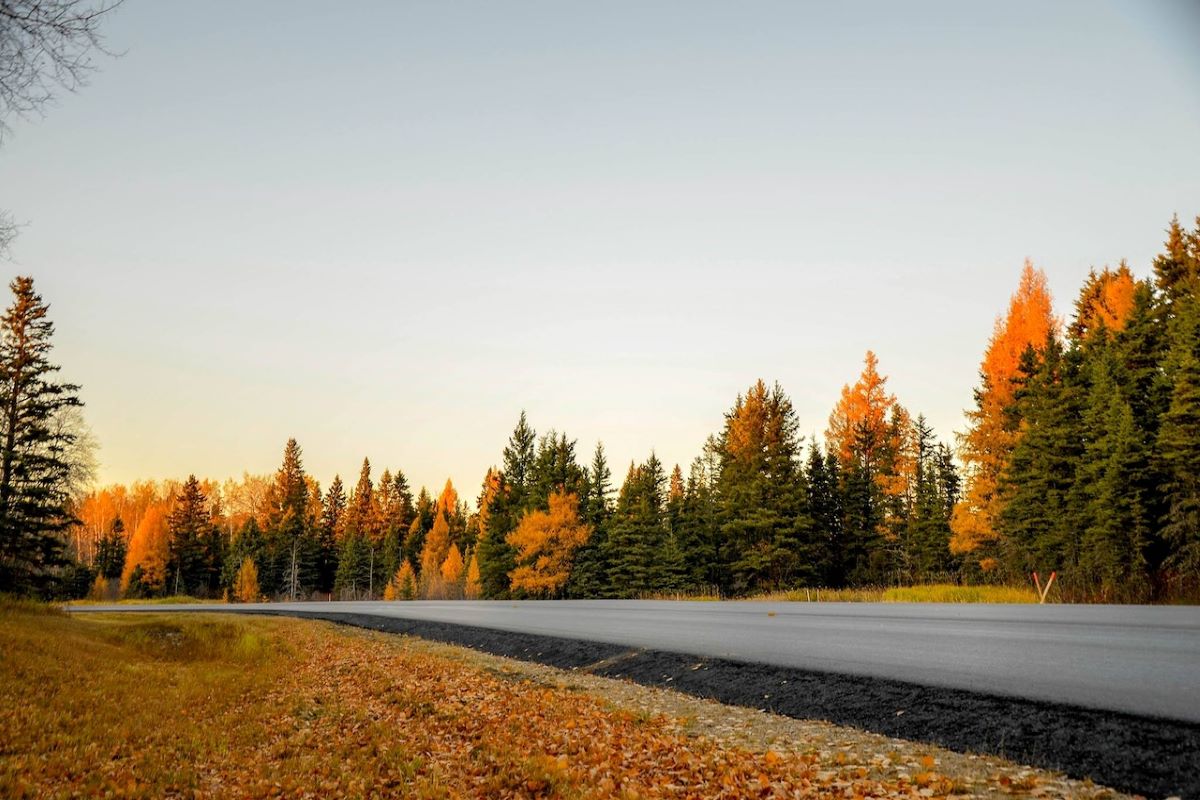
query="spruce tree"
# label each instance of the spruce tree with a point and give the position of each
(589, 575)
(333, 508)
(1179, 448)
(111, 551)
(34, 465)
(194, 561)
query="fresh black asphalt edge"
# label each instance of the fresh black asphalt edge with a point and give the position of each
(1141, 755)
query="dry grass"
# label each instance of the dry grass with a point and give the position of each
(928, 593)
(207, 705)
(147, 601)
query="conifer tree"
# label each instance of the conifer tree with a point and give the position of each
(1039, 529)
(545, 543)
(826, 507)
(589, 575)
(1108, 484)
(1179, 444)
(194, 558)
(333, 507)
(766, 534)
(994, 432)
(111, 551)
(245, 585)
(35, 467)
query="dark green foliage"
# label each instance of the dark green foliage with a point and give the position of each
(1179, 445)
(111, 551)
(590, 573)
(34, 461)
(767, 539)
(936, 487)
(194, 544)
(826, 507)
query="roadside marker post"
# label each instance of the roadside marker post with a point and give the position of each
(1043, 591)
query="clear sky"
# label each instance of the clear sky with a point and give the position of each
(385, 228)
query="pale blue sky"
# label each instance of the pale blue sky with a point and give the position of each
(386, 228)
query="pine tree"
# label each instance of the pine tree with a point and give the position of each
(1179, 445)
(936, 492)
(1108, 484)
(766, 534)
(1036, 520)
(497, 558)
(697, 530)
(827, 509)
(193, 563)
(333, 507)
(589, 575)
(295, 548)
(35, 468)
(111, 551)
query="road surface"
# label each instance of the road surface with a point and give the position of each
(1143, 660)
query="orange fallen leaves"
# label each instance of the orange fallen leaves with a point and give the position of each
(336, 713)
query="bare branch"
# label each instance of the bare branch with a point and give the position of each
(46, 45)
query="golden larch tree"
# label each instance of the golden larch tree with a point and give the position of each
(990, 438)
(245, 585)
(148, 549)
(433, 555)
(452, 567)
(473, 588)
(865, 405)
(546, 542)
(1105, 302)
(405, 582)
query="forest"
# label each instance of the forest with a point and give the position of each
(1081, 456)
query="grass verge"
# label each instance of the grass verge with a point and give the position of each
(153, 705)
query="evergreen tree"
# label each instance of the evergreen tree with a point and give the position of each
(827, 509)
(195, 556)
(1108, 484)
(294, 546)
(766, 535)
(111, 551)
(35, 468)
(333, 508)
(1039, 518)
(697, 531)
(1179, 446)
(936, 492)
(589, 576)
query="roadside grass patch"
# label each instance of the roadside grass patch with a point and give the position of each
(200, 705)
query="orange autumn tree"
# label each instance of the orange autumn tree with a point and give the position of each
(148, 550)
(869, 426)
(991, 435)
(1105, 302)
(452, 567)
(546, 542)
(433, 555)
(473, 587)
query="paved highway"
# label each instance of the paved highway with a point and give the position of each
(1139, 659)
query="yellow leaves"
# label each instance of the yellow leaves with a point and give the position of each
(148, 548)
(452, 567)
(546, 542)
(473, 587)
(245, 585)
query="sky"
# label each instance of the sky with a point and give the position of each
(387, 228)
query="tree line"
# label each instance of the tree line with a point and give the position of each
(1081, 456)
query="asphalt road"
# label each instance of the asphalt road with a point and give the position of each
(1143, 660)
